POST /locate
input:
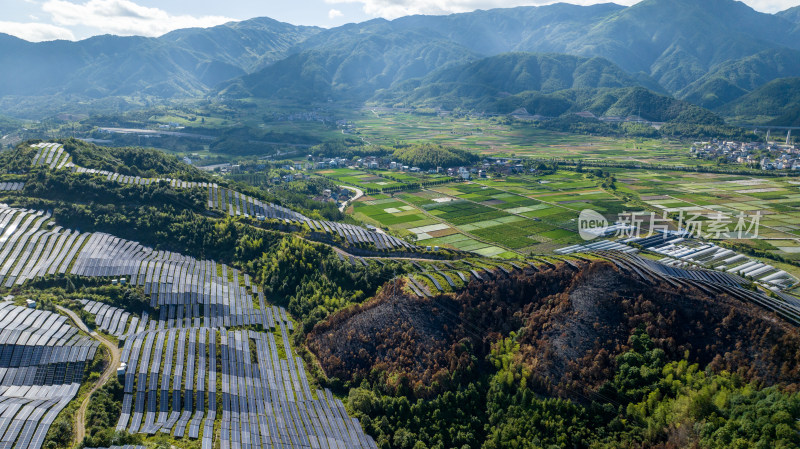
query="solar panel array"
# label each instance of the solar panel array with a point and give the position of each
(31, 246)
(599, 245)
(235, 204)
(50, 155)
(111, 319)
(138, 180)
(185, 291)
(42, 360)
(127, 446)
(683, 251)
(264, 400)
(173, 350)
(710, 282)
(11, 186)
(231, 202)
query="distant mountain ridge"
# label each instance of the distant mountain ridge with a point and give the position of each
(775, 103)
(544, 84)
(182, 63)
(351, 69)
(732, 79)
(709, 53)
(791, 14)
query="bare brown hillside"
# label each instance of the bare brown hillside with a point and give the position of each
(573, 322)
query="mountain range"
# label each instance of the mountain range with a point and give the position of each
(182, 63)
(709, 54)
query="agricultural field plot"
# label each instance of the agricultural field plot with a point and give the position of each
(402, 217)
(565, 191)
(487, 220)
(360, 178)
(493, 138)
(711, 196)
(517, 232)
(524, 213)
(390, 213)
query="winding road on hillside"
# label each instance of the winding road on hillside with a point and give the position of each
(111, 369)
(359, 193)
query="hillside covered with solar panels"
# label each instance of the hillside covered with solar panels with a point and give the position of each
(146, 303)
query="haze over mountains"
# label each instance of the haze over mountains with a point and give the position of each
(181, 63)
(709, 53)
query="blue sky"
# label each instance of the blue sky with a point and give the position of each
(38, 20)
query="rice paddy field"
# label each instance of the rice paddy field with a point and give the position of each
(725, 197)
(492, 217)
(494, 137)
(524, 214)
(376, 179)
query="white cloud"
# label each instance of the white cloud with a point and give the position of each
(392, 9)
(334, 13)
(36, 32)
(771, 6)
(123, 17)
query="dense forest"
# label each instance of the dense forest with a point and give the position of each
(427, 156)
(313, 283)
(580, 125)
(423, 155)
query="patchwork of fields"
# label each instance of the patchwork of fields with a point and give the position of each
(492, 137)
(493, 217)
(523, 214)
(726, 198)
(378, 180)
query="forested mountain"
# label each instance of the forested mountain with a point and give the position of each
(677, 46)
(185, 62)
(732, 79)
(791, 14)
(776, 103)
(709, 53)
(677, 41)
(481, 84)
(543, 84)
(250, 44)
(543, 29)
(352, 69)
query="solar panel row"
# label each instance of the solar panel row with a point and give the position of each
(266, 399)
(51, 155)
(42, 362)
(110, 319)
(234, 203)
(11, 186)
(709, 281)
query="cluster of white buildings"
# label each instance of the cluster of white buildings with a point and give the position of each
(767, 156)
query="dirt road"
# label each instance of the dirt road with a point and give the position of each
(111, 370)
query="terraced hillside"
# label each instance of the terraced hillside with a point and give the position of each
(229, 201)
(208, 358)
(197, 301)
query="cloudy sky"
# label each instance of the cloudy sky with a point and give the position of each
(39, 20)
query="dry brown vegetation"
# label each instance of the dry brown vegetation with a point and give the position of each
(573, 324)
